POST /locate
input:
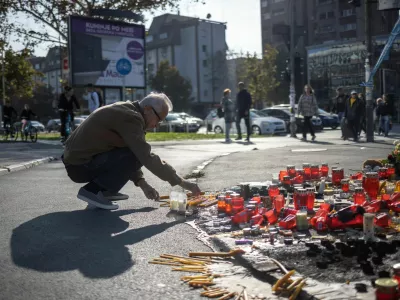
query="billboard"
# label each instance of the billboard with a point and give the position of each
(388, 4)
(106, 53)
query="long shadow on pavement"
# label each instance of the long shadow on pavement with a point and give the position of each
(82, 240)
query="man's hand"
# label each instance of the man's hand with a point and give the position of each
(193, 187)
(148, 190)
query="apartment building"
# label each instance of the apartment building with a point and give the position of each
(197, 48)
(330, 37)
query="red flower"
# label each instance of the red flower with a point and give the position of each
(390, 157)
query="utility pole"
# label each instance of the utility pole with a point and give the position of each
(368, 88)
(292, 93)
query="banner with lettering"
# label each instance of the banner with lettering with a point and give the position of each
(106, 53)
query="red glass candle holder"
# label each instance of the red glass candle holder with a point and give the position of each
(241, 217)
(228, 206)
(383, 173)
(345, 185)
(279, 203)
(310, 198)
(282, 174)
(372, 185)
(337, 176)
(301, 199)
(315, 172)
(291, 170)
(289, 222)
(390, 171)
(238, 203)
(271, 216)
(286, 180)
(324, 170)
(382, 220)
(257, 197)
(359, 196)
(273, 191)
(307, 171)
(221, 204)
(386, 289)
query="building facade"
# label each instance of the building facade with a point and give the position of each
(331, 42)
(197, 48)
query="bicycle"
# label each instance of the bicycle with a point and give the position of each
(69, 126)
(9, 131)
(30, 131)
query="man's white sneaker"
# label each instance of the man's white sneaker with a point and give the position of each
(97, 200)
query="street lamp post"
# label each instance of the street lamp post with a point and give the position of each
(292, 93)
(369, 87)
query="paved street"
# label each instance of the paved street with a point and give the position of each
(51, 247)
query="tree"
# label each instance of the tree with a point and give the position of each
(53, 14)
(168, 81)
(260, 75)
(19, 74)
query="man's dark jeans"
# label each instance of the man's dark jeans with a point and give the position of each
(63, 119)
(110, 170)
(307, 125)
(354, 126)
(240, 115)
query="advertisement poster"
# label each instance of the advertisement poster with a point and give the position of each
(106, 53)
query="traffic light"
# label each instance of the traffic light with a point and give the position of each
(355, 3)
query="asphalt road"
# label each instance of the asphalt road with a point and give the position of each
(52, 247)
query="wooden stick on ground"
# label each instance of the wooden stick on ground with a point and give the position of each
(218, 254)
(282, 280)
(297, 290)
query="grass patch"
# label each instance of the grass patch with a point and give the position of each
(151, 136)
(53, 136)
(155, 136)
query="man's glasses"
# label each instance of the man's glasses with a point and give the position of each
(158, 116)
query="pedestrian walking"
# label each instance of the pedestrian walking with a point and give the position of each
(65, 107)
(339, 105)
(229, 113)
(383, 113)
(308, 107)
(109, 149)
(243, 105)
(8, 112)
(353, 115)
(92, 98)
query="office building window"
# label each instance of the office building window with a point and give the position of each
(205, 93)
(150, 68)
(149, 38)
(348, 12)
(204, 48)
(37, 66)
(348, 27)
(205, 63)
(278, 12)
(325, 29)
(163, 36)
(326, 15)
(264, 3)
(277, 1)
(267, 16)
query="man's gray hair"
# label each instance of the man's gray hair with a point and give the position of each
(159, 101)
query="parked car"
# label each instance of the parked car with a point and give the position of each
(176, 124)
(211, 117)
(282, 113)
(39, 126)
(328, 119)
(189, 118)
(260, 124)
(53, 125)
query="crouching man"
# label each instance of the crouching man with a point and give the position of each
(109, 148)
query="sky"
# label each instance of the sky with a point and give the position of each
(242, 17)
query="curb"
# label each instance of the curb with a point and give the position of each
(26, 165)
(200, 167)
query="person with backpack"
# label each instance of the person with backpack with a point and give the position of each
(92, 97)
(308, 107)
